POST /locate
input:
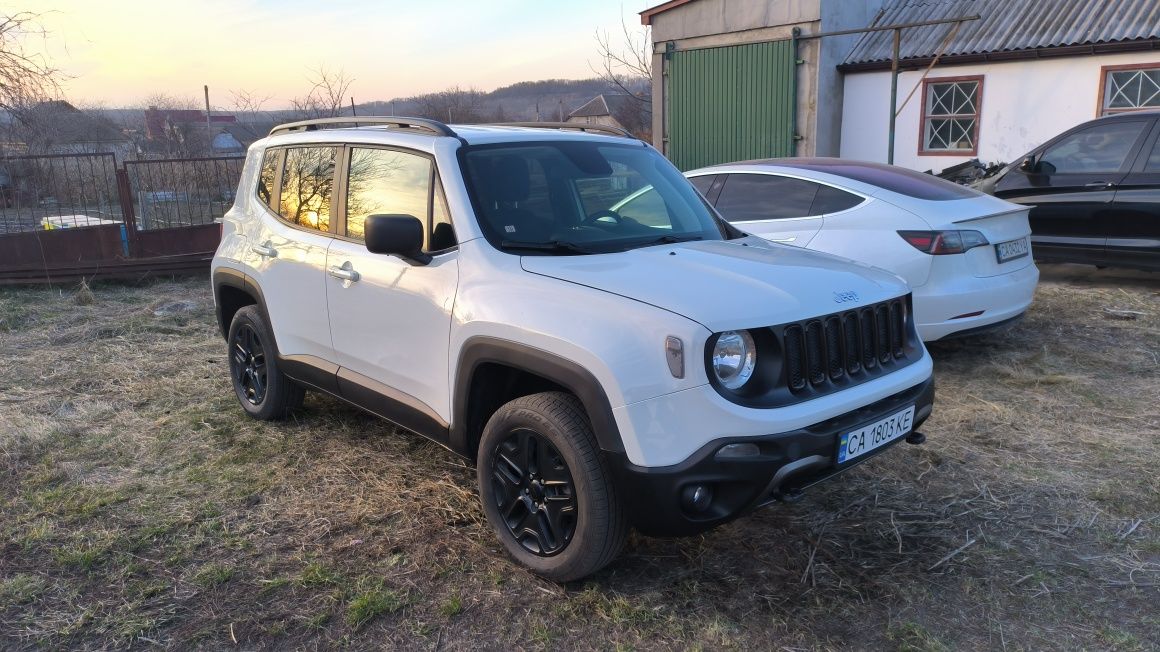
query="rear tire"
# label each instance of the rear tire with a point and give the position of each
(544, 489)
(263, 390)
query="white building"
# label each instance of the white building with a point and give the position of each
(1003, 84)
(745, 79)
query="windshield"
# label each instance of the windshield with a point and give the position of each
(583, 197)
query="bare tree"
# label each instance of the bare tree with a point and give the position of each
(626, 64)
(327, 97)
(25, 79)
(248, 103)
(462, 105)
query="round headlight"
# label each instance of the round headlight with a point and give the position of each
(734, 357)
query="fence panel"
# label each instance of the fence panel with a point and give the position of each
(58, 191)
(182, 192)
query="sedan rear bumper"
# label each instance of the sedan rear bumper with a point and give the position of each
(941, 303)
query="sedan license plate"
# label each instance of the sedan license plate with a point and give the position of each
(875, 435)
(1012, 249)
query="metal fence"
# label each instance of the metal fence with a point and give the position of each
(69, 215)
(58, 191)
(182, 192)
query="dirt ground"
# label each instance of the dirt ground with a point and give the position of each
(140, 508)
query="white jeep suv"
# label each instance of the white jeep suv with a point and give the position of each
(653, 368)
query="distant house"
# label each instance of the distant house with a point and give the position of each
(57, 127)
(166, 123)
(627, 112)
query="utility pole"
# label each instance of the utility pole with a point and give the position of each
(206, 88)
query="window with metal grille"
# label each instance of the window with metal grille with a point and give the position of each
(1130, 88)
(950, 115)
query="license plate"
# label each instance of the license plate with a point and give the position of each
(1012, 249)
(875, 435)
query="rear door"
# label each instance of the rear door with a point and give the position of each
(1133, 227)
(288, 251)
(780, 208)
(1071, 187)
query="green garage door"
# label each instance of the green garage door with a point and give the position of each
(730, 103)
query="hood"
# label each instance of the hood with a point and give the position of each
(725, 285)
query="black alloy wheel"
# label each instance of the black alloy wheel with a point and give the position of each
(248, 364)
(534, 492)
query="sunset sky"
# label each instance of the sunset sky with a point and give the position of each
(118, 52)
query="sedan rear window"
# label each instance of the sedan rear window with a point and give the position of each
(895, 179)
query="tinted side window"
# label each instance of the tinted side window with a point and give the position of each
(702, 183)
(1099, 148)
(386, 182)
(267, 175)
(762, 197)
(1153, 164)
(307, 186)
(831, 200)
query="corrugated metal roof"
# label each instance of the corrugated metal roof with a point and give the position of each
(1008, 25)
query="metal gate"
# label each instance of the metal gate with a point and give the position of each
(65, 216)
(730, 103)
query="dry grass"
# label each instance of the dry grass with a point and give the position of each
(138, 507)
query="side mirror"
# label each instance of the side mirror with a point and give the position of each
(400, 235)
(1029, 165)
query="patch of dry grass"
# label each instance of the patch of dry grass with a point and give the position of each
(138, 506)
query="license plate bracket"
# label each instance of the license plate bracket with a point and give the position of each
(856, 443)
(1005, 252)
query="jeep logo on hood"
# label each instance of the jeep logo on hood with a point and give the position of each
(843, 297)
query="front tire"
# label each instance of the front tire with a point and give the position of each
(544, 489)
(263, 390)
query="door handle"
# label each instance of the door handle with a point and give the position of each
(1100, 185)
(787, 240)
(346, 272)
(264, 250)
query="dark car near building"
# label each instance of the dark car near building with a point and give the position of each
(1094, 192)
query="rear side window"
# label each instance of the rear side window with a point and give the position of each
(307, 187)
(831, 200)
(747, 197)
(703, 183)
(1099, 148)
(267, 176)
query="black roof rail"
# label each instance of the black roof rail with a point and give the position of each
(423, 124)
(579, 126)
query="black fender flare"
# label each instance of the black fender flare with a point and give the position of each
(228, 277)
(576, 379)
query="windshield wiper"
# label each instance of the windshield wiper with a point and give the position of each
(668, 239)
(551, 246)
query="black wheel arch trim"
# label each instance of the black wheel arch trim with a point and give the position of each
(480, 350)
(229, 277)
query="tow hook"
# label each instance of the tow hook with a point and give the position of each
(916, 438)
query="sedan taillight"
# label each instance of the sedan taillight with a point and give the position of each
(938, 243)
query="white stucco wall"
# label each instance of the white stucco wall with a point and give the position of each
(1024, 104)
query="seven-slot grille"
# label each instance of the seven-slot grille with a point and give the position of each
(856, 344)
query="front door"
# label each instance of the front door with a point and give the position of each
(391, 318)
(1070, 185)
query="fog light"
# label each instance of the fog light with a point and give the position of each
(734, 451)
(697, 497)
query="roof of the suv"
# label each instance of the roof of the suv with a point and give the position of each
(344, 129)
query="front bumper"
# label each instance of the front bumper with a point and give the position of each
(788, 462)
